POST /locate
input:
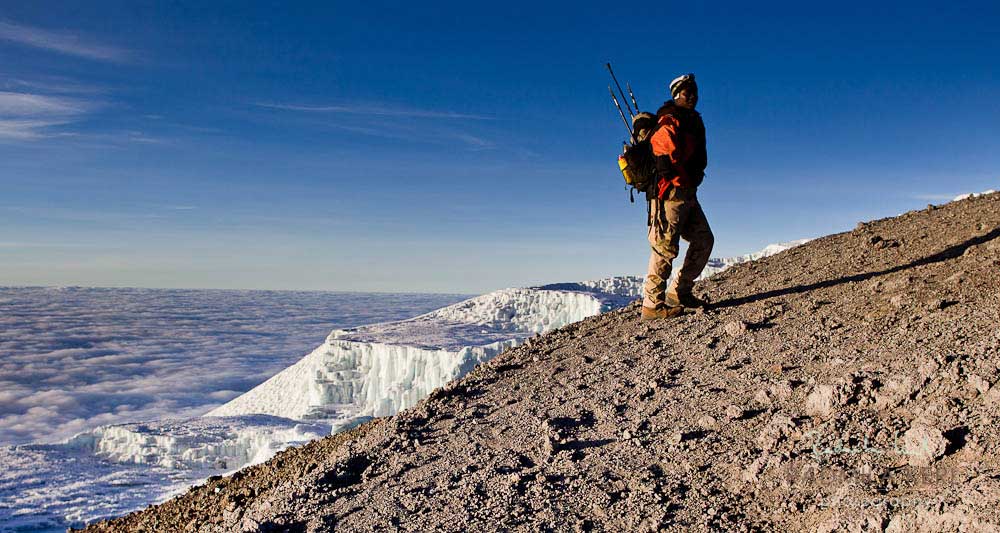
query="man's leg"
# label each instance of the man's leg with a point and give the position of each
(699, 236)
(664, 241)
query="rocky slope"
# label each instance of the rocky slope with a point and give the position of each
(845, 384)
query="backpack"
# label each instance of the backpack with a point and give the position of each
(637, 163)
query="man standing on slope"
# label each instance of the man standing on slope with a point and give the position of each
(681, 158)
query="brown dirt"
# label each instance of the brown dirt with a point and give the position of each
(846, 384)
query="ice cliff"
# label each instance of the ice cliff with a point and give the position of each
(199, 443)
(380, 369)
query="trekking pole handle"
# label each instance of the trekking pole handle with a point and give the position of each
(632, 94)
(613, 77)
(620, 112)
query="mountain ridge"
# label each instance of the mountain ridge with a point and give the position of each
(845, 384)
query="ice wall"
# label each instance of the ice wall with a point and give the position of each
(200, 443)
(381, 369)
(718, 264)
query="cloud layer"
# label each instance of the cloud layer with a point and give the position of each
(73, 359)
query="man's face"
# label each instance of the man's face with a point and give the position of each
(687, 97)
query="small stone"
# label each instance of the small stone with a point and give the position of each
(626, 435)
(936, 304)
(824, 400)
(897, 391)
(781, 390)
(548, 445)
(751, 474)
(898, 283)
(708, 422)
(956, 278)
(831, 323)
(900, 301)
(776, 431)
(979, 383)
(992, 397)
(736, 328)
(734, 412)
(923, 445)
(763, 397)
(927, 370)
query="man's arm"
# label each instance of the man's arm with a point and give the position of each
(666, 150)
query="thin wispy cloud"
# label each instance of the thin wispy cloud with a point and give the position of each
(52, 85)
(29, 116)
(24, 104)
(27, 130)
(474, 141)
(140, 137)
(433, 136)
(61, 42)
(436, 134)
(374, 109)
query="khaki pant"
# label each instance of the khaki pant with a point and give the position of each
(677, 216)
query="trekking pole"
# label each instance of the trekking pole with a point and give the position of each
(620, 91)
(620, 112)
(632, 94)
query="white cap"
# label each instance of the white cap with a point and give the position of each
(675, 85)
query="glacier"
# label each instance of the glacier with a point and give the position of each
(197, 443)
(380, 369)
(968, 195)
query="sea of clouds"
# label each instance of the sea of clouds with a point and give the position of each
(72, 359)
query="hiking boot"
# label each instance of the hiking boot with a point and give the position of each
(649, 313)
(685, 299)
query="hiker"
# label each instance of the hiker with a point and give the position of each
(679, 148)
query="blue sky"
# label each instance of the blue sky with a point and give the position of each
(460, 146)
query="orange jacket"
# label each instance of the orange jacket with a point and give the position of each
(679, 148)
